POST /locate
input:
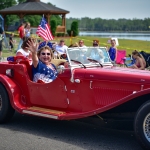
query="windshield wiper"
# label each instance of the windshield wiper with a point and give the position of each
(78, 62)
(90, 59)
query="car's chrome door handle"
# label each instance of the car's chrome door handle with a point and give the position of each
(91, 84)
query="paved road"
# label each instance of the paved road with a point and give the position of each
(34, 133)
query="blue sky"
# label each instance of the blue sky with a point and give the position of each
(105, 9)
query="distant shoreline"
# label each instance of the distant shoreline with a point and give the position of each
(117, 31)
(144, 36)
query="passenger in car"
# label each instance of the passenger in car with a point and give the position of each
(43, 70)
(23, 51)
(139, 61)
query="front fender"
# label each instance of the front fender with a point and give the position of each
(139, 93)
(13, 91)
(117, 103)
(124, 100)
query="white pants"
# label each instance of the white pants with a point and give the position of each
(20, 44)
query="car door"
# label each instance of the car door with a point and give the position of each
(48, 94)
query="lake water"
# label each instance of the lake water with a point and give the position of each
(119, 35)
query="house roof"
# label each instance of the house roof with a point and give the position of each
(33, 7)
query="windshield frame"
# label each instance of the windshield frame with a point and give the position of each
(80, 52)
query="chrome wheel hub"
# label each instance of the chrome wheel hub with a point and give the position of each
(146, 127)
(0, 102)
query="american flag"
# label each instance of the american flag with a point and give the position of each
(43, 30)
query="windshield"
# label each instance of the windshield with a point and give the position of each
(88, 56)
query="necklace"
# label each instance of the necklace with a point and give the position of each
(50, 66)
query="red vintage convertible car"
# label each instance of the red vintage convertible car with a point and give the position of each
(89, 86)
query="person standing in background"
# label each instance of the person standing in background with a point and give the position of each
(81, 43)
(113, 51)
(21, 33)
(11, 41)
(27, 29)
(97, 53)
(1, 40)
(82, 46)
(95, 43)
(23, 51)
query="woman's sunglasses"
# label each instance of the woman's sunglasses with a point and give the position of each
(45, 53)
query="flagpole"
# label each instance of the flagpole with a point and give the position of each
(45, 40)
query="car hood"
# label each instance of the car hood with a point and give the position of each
(118, 74)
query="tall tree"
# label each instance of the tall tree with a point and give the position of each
(50, 3)
(122, 24)
(74, 28)
(53, 27)
(21, 1)
(7, 3)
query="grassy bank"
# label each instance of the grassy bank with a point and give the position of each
(124, 44)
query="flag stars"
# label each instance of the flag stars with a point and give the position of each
(44, 30)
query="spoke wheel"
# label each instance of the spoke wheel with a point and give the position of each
(142, 125)
(146, 127)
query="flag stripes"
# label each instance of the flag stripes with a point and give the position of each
(43, 30)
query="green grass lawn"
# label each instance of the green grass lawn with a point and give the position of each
(124, 44)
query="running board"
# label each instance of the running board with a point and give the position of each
(43, 112)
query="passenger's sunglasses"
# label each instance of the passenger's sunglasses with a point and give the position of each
(45, 53)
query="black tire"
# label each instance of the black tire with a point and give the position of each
(142, 125)
(6, 110)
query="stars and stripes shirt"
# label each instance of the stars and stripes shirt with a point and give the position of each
(44, 73)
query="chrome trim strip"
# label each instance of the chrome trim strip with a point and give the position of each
(68, 101)
(39, 114)
(142, 86)
(91, 84)
(65, 88)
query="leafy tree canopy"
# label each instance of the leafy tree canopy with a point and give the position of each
(21, 1)
(7, 3)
